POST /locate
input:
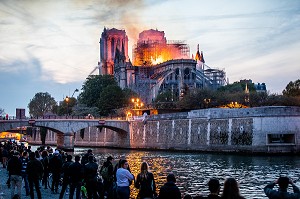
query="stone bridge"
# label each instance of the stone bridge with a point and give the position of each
(65, 128)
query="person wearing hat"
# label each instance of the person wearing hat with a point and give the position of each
(107, 173)
(55, 164)
(283, 183)
(14, 167)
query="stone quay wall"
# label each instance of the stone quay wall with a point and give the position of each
(252, 130)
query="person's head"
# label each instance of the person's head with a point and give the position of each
(283, 182)
(44, 153)
(90, 151)
(144, 167)
(214, 185)
(124, 164)
(77, 158)
(69, 158)
(171, 178)
(31, 155)
(231, 188)
(25, 154)
(109, 158)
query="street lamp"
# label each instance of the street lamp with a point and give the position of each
(206, 101)
(67, 101)
(76, 90)
(137, 104)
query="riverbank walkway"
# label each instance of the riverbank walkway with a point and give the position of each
(5, 191)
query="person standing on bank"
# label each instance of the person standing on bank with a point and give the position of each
(169, 189)
(14, 167)
(107, 173)
(283, 183)
(231, 189)
(24, 161)
(76, 177)
(91, 174)
(214, 188)
(124, 178)
(66, 176)
(145, 183)
(35, 172)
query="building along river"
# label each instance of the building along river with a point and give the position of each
(193, 170)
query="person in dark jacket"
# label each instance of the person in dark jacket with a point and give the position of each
(145, 183)
(55, 165)
(14, 167)
(214, 188)
(66, 174)
(76, 177)
(24, 161)
(45, 161)
(91, 174)
(107, 174)
(282, 193)
(35, 172)
(169, 189)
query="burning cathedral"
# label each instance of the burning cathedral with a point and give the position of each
(158, 65)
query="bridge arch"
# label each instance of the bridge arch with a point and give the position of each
(66, 128)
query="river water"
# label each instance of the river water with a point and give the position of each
(193, 170)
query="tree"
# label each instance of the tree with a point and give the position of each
(112, 97)
(92, 88)
(103, 92)
(292, 89)
(41, 104)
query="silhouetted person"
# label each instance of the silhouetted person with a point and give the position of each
(14, 167)
(107, 174)
(35, 172)
(76, 176)
(55, 167)
(281, 193)
(214, 188)
(66, 174)
(145, 183)
(169, 189)
(231, 189)
(90, 174)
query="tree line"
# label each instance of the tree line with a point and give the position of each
(101, 96)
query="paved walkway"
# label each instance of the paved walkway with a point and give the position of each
(5, 191)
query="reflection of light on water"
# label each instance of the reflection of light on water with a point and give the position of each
(193, 171)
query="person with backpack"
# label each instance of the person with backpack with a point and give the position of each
(107, 173)
(145, 183)
(45, 162)
(24, 161)
(66, 175)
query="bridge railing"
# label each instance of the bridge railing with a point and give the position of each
(67, 117)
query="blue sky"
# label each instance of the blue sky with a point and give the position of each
(52, 46)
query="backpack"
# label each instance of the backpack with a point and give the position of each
(104, 173)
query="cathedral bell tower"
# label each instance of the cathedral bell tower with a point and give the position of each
(110, 41)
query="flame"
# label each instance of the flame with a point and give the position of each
(158, 60)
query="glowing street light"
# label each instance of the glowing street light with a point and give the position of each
(67, 101)
(137, 104)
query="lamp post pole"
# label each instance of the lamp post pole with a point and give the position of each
(67, 101)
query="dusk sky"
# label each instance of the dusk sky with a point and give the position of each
(52, 46)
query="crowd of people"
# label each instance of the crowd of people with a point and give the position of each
(86, 179)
